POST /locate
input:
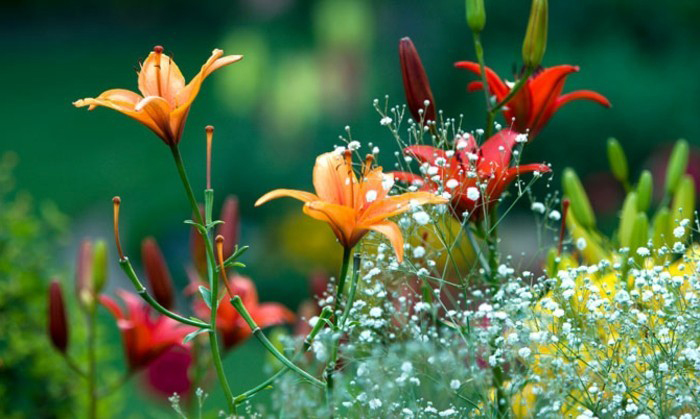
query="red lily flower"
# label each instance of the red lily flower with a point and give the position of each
(231, 325)
(474, 176)
(145, 336)
(537, 100)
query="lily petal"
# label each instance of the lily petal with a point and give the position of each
(496, 85)
(398, 204)
(334, 180)
(582, 94)
(425, 153)
(339, 217)
(291, 193)
(409, 178)
(186, 96)
(498, 148)
(158, 110)
(392, 232)
(270, 314)
(160, 76)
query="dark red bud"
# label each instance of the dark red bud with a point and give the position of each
(58, 326)
(157, 272)
(232, 224)
(415, 82)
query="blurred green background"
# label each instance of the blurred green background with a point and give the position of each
(310, 68)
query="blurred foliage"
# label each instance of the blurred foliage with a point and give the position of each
(33, 378)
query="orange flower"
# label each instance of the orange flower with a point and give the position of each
(353, 207)
(166, 98)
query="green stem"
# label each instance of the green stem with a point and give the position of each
(72, 365)
(214, 303)
(492, 241)
(116, 385)
(479, 253)
(186, 183)
(211, 268)
(325, 315)
(92, 363)
(141, 290)
(353, 290)
(335, 339)
(260, 336)
(479, 50)
(513, 91)
(501, 398)
(341, 278)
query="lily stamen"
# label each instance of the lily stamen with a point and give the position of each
(159, 53)
(116, 201)
(210, 136)
(219, 240)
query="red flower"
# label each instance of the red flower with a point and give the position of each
(537, 100)
(461, 172)
(231, 325)
(169, 373)
(145, 336)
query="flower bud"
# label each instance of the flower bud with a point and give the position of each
(83, 274)
(640, 235)
(99, 266)
(231, 227)
(677, 165)
(58, 326)
(660, 225)
(627, 217)
(645, 188)
(682, 207)
(617, 160)
(415, 83)
(535, 42)
(476, 15)
(580, 204)
(157, 272)
(592, 250)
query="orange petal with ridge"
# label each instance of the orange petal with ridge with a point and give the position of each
(289, 193)
(392, 232)
(398, 204)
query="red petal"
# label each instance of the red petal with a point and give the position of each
(581, 94)
(425, 153)
(496, 85)
(473, 86)
(408, 177)
(497, 149)
(270, 314)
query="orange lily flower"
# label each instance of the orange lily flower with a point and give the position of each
(352, 207)
(166, 99)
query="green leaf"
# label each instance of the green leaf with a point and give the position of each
(206, 295)
(193, 335)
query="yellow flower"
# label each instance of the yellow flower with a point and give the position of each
(352, 207)
(166, 99)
